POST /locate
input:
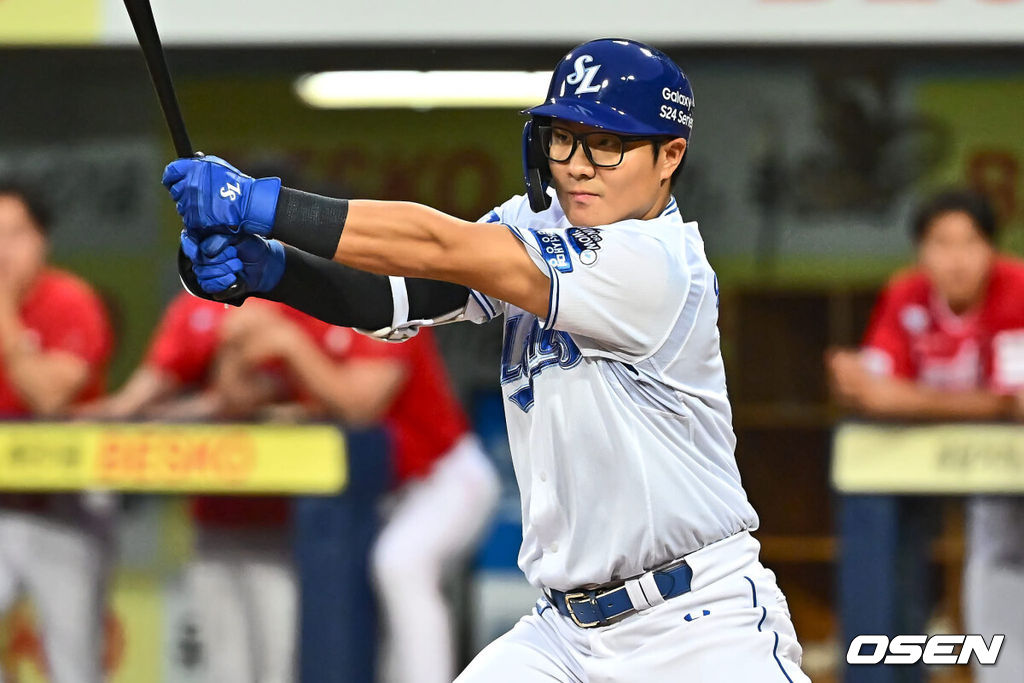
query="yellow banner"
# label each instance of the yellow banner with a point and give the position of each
(172, 458)
(43, 22)
(943, 459)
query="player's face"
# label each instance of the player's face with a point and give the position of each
(22, 246)
(957, 259)
(638, 187)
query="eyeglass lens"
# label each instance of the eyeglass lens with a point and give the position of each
(603, 149)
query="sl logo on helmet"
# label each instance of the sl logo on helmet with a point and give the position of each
(583, 75)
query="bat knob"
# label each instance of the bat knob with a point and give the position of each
(236, 289)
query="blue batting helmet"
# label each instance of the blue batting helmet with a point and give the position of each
(621, 85)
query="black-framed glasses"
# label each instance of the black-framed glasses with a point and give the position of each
(602, 149)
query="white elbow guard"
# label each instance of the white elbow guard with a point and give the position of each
(401, 327)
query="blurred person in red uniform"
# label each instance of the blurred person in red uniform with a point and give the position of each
(946, 342)
(445, 487)
(241, 582)
(55, 342)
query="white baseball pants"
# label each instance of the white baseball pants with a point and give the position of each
(244, 594)
(993, 588)
(62, 566)
(434, 522)
(733, 625)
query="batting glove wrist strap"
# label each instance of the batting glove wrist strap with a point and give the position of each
(258, 218)
(310, 222)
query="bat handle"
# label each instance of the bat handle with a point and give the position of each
(191, 283)
(237, 288)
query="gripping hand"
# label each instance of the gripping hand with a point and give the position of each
(213, 196)
(219, 260)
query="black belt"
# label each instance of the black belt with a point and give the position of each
(600, 606)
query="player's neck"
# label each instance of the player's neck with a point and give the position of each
(957, 311)
(965, 307)
(658, 206)
(969, 305)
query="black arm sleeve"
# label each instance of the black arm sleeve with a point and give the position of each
(344, 296)
(310, 222)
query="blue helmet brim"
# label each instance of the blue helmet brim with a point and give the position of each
(594, 114)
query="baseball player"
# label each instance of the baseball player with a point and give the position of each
(636, 528)
(946, 341)
(242, 581)
(55, 342)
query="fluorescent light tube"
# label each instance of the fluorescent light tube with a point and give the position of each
(422, 89)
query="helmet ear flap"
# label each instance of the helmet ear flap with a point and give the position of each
(536, 172)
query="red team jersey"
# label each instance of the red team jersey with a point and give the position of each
(425, 419)
(184, 347)
(63, 313)
(185, 341)
(914, 335)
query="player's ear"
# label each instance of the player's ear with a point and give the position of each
(670, 156)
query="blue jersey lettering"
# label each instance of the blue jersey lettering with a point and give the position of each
(527, 353)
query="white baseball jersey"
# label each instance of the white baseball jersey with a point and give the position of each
(616, 406)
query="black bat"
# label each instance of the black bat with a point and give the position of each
(141, 14)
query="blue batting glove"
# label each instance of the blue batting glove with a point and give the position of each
(214, 196)
(218, 260)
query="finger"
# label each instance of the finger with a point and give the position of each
(221, 162)
(175, 171)
(217, 259)
(178, 190)
(216, 243)
(193, 223)
(218, 284)
(189, 245)
(218, 267)
(210, 272)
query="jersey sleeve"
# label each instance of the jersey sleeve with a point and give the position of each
(622, 287)
(185, 341)
(1008, 361)
(886, 347)
(1006, 371)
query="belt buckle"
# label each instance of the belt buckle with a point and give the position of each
(581, 597)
